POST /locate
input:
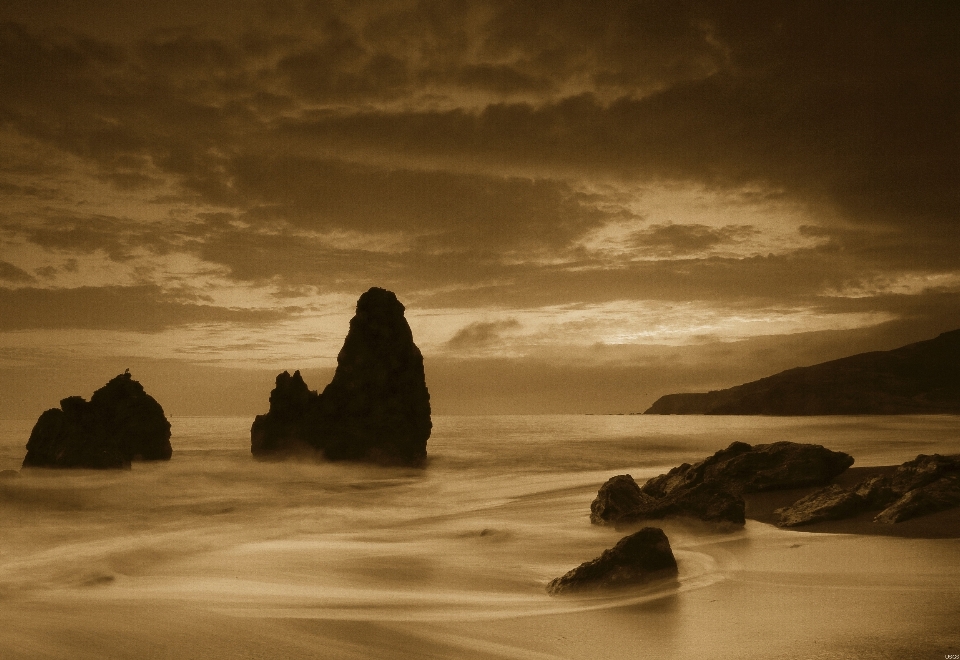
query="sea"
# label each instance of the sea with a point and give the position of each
(217, 555)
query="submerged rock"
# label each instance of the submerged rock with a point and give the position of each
(640, 557)
(741, 468)
(121, 423)
(924, 485)
(377, 406)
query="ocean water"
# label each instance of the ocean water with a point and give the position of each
(215, 555)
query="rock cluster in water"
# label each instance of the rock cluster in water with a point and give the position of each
(712, 489)
(121, 423)
(924, 485)
(637, 558)
(377, 406)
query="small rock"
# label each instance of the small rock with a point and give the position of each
(9, 474)
(640, 557)
(620, 495)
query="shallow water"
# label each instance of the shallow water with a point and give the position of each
(214, 555)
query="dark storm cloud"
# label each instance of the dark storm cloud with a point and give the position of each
(84, 234)
(465, 128)
(136, 308)
(689, 239)
(119, 239)
(446, 210)
(11, 273)
(853, 106)
(892, 248)
(341, 68)
(812, 140)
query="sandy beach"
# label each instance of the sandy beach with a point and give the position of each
(214, 555)
(758, 593)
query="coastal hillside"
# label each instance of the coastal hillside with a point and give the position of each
(917, 378)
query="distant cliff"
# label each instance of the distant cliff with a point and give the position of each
(918, 378)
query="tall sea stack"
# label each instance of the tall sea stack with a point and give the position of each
(377, 406)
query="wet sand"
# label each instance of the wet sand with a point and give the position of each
(215, 556)
(757, 593)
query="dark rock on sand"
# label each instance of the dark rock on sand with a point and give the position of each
(939, 495)
(708, 501)
(640, 557)
(741, 468)
(377, 406)
(9, 474)
(121, 423)
(621, 502)
(918, 378)
(712, 489)
(921, 471)
(830, 503)
(619, 496)
(924, 485)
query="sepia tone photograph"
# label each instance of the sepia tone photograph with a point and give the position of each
(479, 329)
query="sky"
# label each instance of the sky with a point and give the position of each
(582, 205)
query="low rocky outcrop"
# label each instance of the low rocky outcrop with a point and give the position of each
(621, 502)
(638, 558)
(377, 406)
(917, 378)
(742, 468)
(924, 485)
(940, 495)
(708, 501)
(830, 503)
(121, 423)
(712, 489)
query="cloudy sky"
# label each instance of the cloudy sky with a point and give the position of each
(583, 205)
